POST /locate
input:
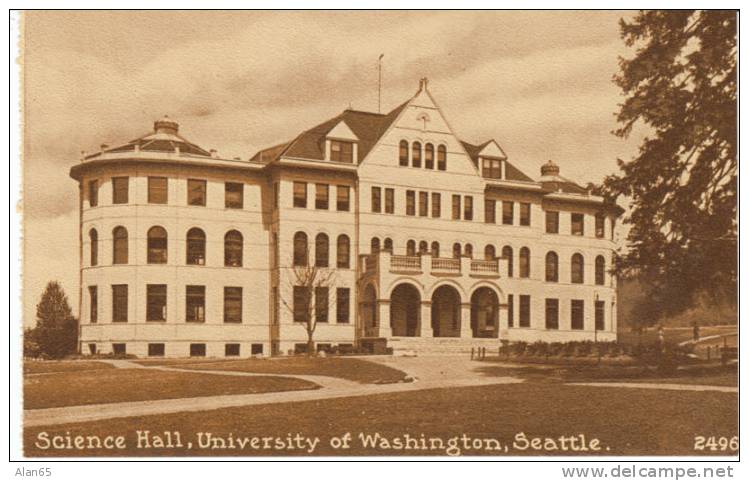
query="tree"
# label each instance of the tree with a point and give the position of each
(56, 331)
(681, 87)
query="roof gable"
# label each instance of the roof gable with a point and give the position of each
(343, 132)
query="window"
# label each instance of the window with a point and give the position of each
(577, 272)
(119, 303)
(93, 240)
(423, 204)
(510, 310)
(456, 250)
(436, 205)
(524, 314)
(552, 222)
(456, 207)
(491, 168)
(403, 154)
(613, 227)
(158, 190)
(196, 192)
(441, 157)
(233, 249)
(195, 303)
(576, 314)
(342, 308)
(410, 202)
(374, 245)
(416, 154)
(411, 248)
(195, 247)
(388, 245)
(119, 245)
(156, 302)
(507, 255)
(119, 190)
(300, 249)
(197, 350)
(600, 221)
(342, 151)
(389, 201)
(468, 208)
(343, 255)
(119, 348)
(490, 253)
(300, 194)
(93, 193)
(423, 248)
(552, 267)
(156, 350)
(577, 224)
(508, 212)
(276, 195)
(321, 196)
(322, 250)
(256, 349)
(157, 245)
(321, 304)
(93, 304)
(468, 251)
(490, 211)
(552, 313)
(600, 270)
(233, 195)
(376, 199)
(231, 350)
(435, 249)
(525, 262)
(301, 303)
(233, 304)
(525, 214)
(600, 313)
(343, 196)
(429, 156)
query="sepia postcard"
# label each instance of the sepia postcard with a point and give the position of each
(386, 234)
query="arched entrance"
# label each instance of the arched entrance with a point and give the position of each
(368, 311)
(446, 312)
(485, 313)
(405, 305)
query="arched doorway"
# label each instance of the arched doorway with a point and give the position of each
(405, 305)
(368, 311)
(484, 313)
(446, 312)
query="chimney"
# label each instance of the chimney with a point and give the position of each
(423, 83)
(214, 153)
(104, 147)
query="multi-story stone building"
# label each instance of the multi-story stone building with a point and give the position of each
(436, 243)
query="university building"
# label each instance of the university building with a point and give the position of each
(435, 244)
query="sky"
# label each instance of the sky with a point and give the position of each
(540, 83)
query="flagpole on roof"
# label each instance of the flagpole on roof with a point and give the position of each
(379, 83)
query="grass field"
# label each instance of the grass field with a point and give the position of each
(43, 367)
(74, 388)
(626, 421)
(351, 369)
(672, 335)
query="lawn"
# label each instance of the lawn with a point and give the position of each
(673, 335)
(44, 367)
(625, 421)
(357, 370)
(121, 385)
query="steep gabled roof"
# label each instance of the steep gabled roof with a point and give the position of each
(511, 172)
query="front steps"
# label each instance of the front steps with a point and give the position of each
(441, 345)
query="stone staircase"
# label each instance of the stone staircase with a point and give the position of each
(441, 345)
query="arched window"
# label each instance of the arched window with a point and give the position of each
(196, 247)
(456, 250)
(343, 252)
(374, 245)
(600, 270)
(389, 244)
(119, 245)
(468, 251)
(490, 253)
(233, 246)
(435, 249)
(429, 156)
(577, 271)
(552, 267)
(322, 250)
(93, 238)
(157, 243)
(416, 154)
(442, 157)
(300, 249)
(403, 153)
(423, 247)
(411, 248)
(507, 254)
(525, 262)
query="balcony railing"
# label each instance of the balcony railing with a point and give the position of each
(485, 266)
(409, 263)
(445, 264)
(371, 264)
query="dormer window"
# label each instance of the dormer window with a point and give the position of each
(491, 168)
(340, 144)
(341, 151)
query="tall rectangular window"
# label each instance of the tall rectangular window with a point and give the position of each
(233, 304)
(158, 190)
(468, 208)
(456, 207)
(552, 313)
(600, 221)
(490, 211)
(233, 195)
(276, 195)
(577, 224)
(93, 309)
(510, 310)
(195, 304)
(423, 204)
(321, 196)
(410, 202)
(300, 194)
(120, 190)
(343, 305)
(508, 212)
(321, 304)
(525, 214)
(552, 222)
(577, 314)
(196, 192)
(525, 310)
(436, 205)
(156, 302)
(93, 193)
(341, 151)
(389, 201)
(600, 310)
(376, 199)
(119, 303)
(301, 303)
(343, 198)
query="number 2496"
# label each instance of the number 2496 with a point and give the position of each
(715, 443)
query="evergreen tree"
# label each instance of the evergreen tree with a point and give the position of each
(56, 331)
